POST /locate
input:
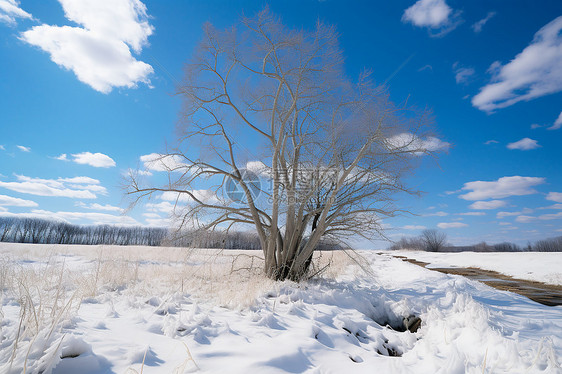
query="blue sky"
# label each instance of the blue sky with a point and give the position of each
(87, 90)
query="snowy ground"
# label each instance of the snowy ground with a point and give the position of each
(543, 267)
(71, 309)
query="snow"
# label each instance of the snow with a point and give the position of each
(545, 267)
(169, 310)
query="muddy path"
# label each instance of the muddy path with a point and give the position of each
(545, 294)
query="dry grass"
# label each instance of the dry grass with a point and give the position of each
(44, 287)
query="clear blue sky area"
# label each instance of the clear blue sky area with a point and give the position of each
(87, 89)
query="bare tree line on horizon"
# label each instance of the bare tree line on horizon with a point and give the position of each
(43, 231)
(432, 240)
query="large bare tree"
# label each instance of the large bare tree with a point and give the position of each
(330, 152)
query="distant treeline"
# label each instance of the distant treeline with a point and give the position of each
(42, 231)
(421, 244)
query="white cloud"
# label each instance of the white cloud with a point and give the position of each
(428, 13)
(62, 157)
(207, 196)
(259, 168)
(14, 201)
(437, 214)
(125, 20)
(98, 160)
(553, 206)
(534, 72)
(2, 147)
(408, 142)
(53, 187)
(491, 142)
(462, 75)
(472, 213)
(414, 227)
(501, 215)
(162, 207)
(155, 220)
(492, 204)
(503, 187)
(557, 123)
(477, 26)
(525, 219)
(435, 15)
(554, 196)
(543, 217)
(161, 162)
(98, 53)
(551, 216)
(93, 218)
(524, 144)
(96, 206)
(23, 148)
(135, 172)
(79, 180)
(451, 225)
(10, 10)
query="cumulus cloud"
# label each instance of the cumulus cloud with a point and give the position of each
(524, 144)
(98, 160)
(56, 187)
(491, 142)
(503, 187)
(408, 142)
(492, 204)
(451, 225)
(554, 196)
(99, 51)
(23, 148)
(10, 10)
(161, 162)
(557, 123)
(14, 201)
(435, 15)
(477, 26)
(534, 72)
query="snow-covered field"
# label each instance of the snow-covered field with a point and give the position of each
(72, 309)
(543, 267)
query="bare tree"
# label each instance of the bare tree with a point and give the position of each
(333, 152)
(434, 240)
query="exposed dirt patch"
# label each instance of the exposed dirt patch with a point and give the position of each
(545, 294)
